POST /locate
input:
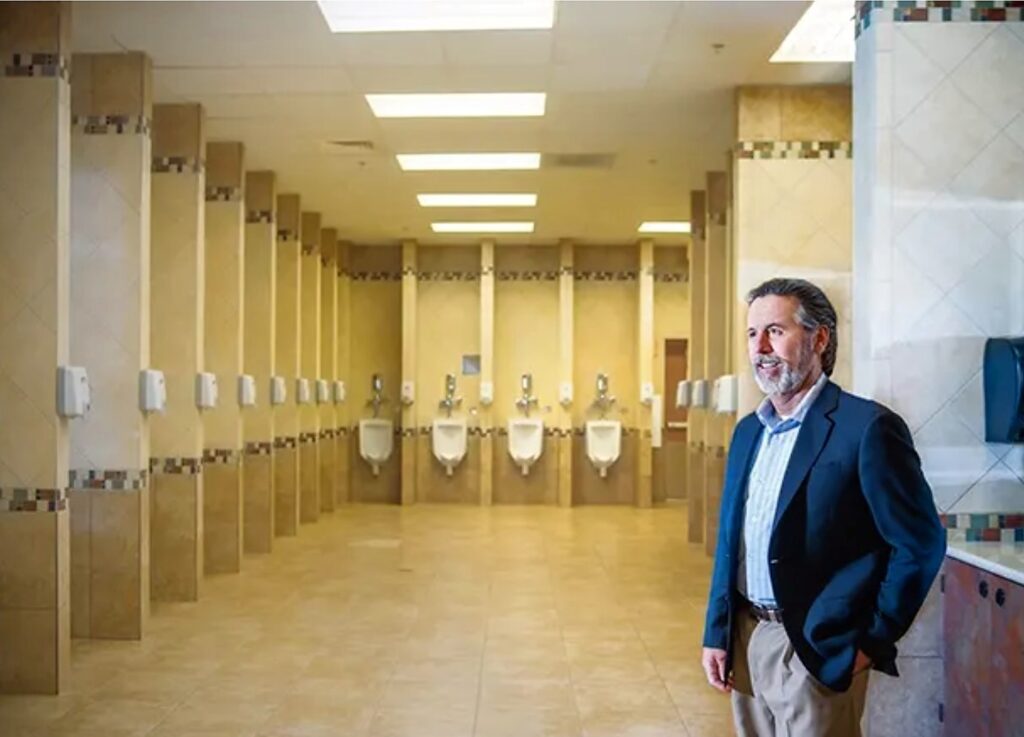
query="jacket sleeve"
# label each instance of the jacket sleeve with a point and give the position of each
(903, 509)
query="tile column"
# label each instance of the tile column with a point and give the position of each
(716, 339)
(110, 209)
(328, 367)
(287, 341)
(565, 372)
(696, 415)
(224, 332)
(343, 434)
(309, 435)
(645, 375)
(409, 430)
(35, 200)
(176, 339)
(258, 361)
(486, 415)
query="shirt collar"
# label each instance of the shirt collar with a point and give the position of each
(770, 419)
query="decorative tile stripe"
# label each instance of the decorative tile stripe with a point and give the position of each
(604, 275)
(14, 499)
(794, 150)
(117, 480)
(565, 271)
(255, 448)
(286, 441)
(407, 432)
(111, 124)
(671, 276)
(177, 165)
(341, 432)
(308, 249)
(985, 527)
(937, 11)
(480, 431)
(988, 534)
(580, 431)
(326, 434)
(186, 466)
(224, 194)
(222, 456)
(307, 437)
(287, 234)
(259, 216)
(487, 270)
(36, 65)
(342, 271)
(527, 276)
(447, 276)
(376, 276)
(326, 261)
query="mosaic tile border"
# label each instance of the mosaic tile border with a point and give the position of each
(39, 65)
(341, 432)
(108, 480)
(305, 438)
(177, 165)
(15, 499)
(487, 271)
(287, 234)
(260, 216)
(111, 124)
(222, 456)
(988, 534)
(224, 194)
(434, 276)
(178, 465)
(794, 150)
(527, 275)
(666, 277)
(375, 276)
(937, 11)
(286, 441)
(257, 448)
(605, 275)
(309, 249)
(326, 261)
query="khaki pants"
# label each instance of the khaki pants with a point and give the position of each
(775, 696)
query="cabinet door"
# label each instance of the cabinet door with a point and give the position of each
(967, 641)
(1007, 700)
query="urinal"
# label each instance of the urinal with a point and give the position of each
(376, 441)
(449, 442)
(604, 443)
(525, 441)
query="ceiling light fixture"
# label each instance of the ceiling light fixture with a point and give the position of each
(477, 200)
(468, 162)
(483, 227)
(824, 33)
(459, 105)
(360, 16)
(664, 226)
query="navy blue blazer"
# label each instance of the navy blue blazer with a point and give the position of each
(856, 541)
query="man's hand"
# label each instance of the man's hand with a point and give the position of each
(861, 663)
(713, 660)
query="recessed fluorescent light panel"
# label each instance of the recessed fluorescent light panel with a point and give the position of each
(481, 227)
(467, 162)
(477, 200)
(665, 226)
(369, 16)
(459, 105)
(824, 33)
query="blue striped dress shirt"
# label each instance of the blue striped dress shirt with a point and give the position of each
(763, 487)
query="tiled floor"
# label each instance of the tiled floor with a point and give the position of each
(431, 621)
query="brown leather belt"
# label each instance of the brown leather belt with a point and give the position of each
(765, 614)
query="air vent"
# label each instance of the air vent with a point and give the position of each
(348, 147)
(579, 161)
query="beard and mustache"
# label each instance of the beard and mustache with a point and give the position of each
(791, 376)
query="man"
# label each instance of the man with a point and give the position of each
(829, 539)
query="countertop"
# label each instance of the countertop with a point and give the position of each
(1005, 559)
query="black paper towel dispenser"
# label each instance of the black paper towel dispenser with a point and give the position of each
(1004, 390)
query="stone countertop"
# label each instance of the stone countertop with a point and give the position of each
(1005, 559)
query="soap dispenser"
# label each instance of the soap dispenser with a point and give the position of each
(1003, 379)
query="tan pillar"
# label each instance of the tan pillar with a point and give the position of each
(695, 419)
(224, 331)
(645, 347)
(565, 371)
(328, 367)
(486, 415)
(259, 359)
(176, 341)
(309, 435)
(409, 430)
(35, 199)
(716, 299)
(346, 416)
(111, 155)
(287, 361)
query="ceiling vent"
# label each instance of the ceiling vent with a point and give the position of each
(579, 161)
(348, 147)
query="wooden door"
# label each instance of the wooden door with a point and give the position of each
(676, 370)
(1006, 698)
(967, 643)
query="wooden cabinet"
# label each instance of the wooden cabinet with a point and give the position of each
(983, 636)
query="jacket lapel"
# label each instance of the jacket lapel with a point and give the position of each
(814, 432)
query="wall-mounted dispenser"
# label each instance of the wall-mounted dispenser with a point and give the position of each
(302, 394)
(565, 393)
(647, 392)
(727, 394)
(339, 391)
(278, 390)
(206, 390)
(246, 391)
(1003, 378)
(323, 391)
(408, 392)
(73, 394)
(152, 391)
(657, 420)
(683, 390)
(486, 393)
(699, 396)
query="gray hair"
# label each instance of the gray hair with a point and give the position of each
(814, 310)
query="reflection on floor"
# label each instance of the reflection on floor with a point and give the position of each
(430, 621)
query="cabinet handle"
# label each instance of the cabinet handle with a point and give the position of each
(983, 589)
(1000, 597)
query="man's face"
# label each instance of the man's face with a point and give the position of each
(782, 352)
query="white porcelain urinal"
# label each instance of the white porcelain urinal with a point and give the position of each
(376, 441)
(449, 442)
(604, 443)
(525, 441)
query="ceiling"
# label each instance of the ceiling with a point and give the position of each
(639, 80)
